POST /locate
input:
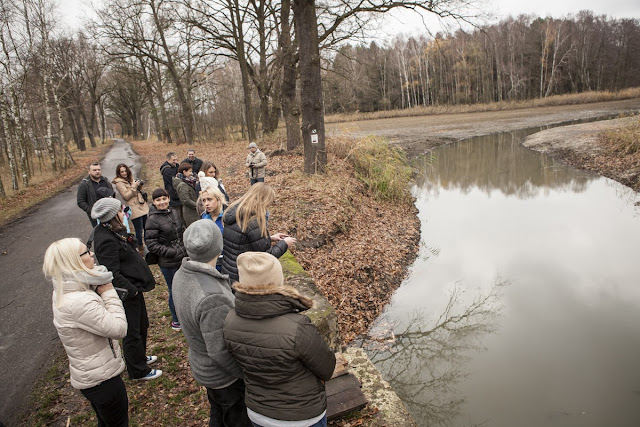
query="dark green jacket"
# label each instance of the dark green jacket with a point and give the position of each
(281, 353)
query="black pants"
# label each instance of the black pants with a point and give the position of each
(109, 400)
(255, 180)
(134, 345)
(227, 406)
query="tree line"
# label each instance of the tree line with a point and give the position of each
(516, 59)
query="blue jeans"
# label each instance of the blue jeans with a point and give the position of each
(139, 224)
(168, 274)
(321, 423)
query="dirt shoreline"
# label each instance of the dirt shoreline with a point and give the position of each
(419, 135)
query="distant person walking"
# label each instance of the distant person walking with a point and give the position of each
(93, 188)
(284, 359)
(256, 162)
(203, 298)
(245, 228)
(196, 163)
(131, 193)
(115, 249)
(90, 320)
(185, 184)
(169, 169)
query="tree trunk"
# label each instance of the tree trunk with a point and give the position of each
(166, 132)
(50, 145)
(315, 154)
(10, 151)
(290, 108)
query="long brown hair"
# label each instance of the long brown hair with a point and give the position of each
(206, 165)
(129, 174)
(254, 203)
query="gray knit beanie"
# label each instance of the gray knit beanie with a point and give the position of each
(252, 145)
(203, 240)
(105, 209)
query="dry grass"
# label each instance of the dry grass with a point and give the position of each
(44, 183)
(624, 140)
(579, 98)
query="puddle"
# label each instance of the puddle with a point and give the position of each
(522, 308)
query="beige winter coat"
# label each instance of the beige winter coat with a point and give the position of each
(259, 161)
(131, 197)
(89, 326)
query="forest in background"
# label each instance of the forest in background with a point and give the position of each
(194, 70)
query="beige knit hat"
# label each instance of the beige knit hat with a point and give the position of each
(259, 269)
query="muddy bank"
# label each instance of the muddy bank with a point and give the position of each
(578, 146)
(417, 135)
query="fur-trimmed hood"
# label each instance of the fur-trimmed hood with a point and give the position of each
(258, 302)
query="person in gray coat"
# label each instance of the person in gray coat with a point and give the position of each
(202, 298)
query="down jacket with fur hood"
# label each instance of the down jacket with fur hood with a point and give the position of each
(283, 357)
(236, 242)
(89, 326)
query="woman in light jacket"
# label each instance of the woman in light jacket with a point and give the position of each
(131, 194)
(90, 320)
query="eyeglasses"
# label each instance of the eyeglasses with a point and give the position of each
(88, 251)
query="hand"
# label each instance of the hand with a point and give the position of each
(278, 236)
(103, 288)
(135, 184)
(290, 241)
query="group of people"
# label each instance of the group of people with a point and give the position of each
(261, 361)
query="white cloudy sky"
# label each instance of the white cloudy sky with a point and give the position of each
(72, 11)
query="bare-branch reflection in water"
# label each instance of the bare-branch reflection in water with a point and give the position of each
(426, 360)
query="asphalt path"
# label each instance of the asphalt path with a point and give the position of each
(28, 340)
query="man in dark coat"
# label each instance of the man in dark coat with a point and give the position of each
(195, 162)
(284, 359)
(169, 169)
(91, 189)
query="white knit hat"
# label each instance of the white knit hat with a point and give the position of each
(207, 181)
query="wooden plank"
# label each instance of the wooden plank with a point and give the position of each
(344, 395)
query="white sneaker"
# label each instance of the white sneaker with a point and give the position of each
(155, 373)
(151, 359)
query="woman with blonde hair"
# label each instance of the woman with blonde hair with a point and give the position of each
(245, 229)
(90, 319)
(212, 203)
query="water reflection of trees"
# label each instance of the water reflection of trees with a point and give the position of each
(426, 361)
(496, 162)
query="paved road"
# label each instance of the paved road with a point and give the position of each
(28, 340)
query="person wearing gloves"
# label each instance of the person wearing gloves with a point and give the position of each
(284, 359)
(256, 162)
(245, 228)
(116, 250)
(203, 298)
(164, 239)
(89, 319)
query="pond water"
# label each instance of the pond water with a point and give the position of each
(523, 306)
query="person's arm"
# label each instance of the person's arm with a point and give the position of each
(82, 197)
(184, 194)
(261, 160)
(106, 320)
(314, 353)
(211, 314)
(126, 191)
(108, 254)
(155, 241)
(167, 178)
(249, 159)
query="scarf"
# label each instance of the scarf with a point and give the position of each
(98, 276)
(125, 237)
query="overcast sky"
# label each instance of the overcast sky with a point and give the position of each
(72, 12)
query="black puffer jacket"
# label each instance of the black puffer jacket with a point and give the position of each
(236, 242)
(130, 270)
(163, 234)
(280, 352)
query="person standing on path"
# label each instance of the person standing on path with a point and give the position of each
(90, 320)
(92, 188)
(256, 162)
(203, 298)
(169, 169)
(130, 191)
(115, 249)
(196, 163)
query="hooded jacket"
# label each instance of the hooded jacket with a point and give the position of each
(163, 235)
(202, 298)
(132, 198)
(168, 173)
(89, 326)
(87, 196)
(236, 242)
(280, 351)
(188, 197)
(130, 270)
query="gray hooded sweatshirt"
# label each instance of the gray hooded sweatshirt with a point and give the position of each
(202, 298)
